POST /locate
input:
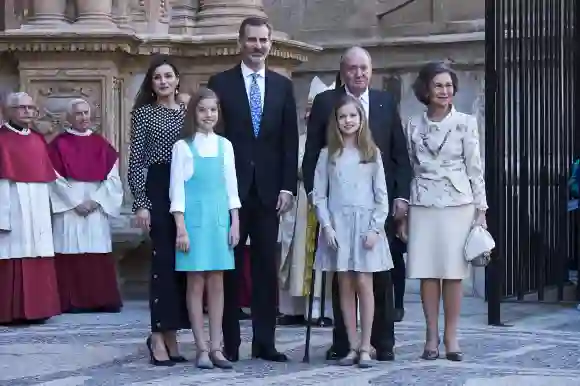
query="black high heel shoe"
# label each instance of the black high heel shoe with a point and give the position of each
(154, 361)
(177, 358)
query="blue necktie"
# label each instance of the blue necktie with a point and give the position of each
(255, 104)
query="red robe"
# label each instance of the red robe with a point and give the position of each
(87, 281)
(28, 286)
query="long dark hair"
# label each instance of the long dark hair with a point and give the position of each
(146, 95)
(189, 127)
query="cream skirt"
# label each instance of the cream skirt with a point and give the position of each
(437, 237)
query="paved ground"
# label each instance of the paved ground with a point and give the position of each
(540, 349)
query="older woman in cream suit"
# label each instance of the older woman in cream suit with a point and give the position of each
(447, 199)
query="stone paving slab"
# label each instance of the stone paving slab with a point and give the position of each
(109, 350)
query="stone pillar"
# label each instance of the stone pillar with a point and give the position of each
(95, 14)
(121, 15)
(225, 16)
(48, 13)
(183, 16)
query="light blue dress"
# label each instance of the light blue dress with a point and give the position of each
(207, 216)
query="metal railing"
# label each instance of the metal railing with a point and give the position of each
(531, 117)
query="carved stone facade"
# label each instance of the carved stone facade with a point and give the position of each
(99, 50)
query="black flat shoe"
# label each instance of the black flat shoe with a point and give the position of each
(154, 361)
(454, 356)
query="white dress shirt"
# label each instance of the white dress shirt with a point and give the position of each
(183, 168)
(247, 73)
(363, 98)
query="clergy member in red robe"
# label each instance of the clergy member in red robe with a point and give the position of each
(28, 288)
(85, 266)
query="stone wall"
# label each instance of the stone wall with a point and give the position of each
(99, 50)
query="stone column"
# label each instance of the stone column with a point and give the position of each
(225, 16)
(48, 13)
(95, 14)
(121, 15)
(183, 16)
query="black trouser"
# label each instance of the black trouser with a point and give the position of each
(399, 272)
(166, 287)
(260, 222)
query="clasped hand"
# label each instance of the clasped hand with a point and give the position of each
(86, 208)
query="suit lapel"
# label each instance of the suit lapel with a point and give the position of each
(269, 86)
(375, 108)
(239, 88)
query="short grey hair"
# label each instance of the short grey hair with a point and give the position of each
(352, 50)
(13, 99)
(77, 101)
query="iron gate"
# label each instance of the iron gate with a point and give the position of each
(531, 116)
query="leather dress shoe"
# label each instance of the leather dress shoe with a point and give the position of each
(271, 355)
(333, 354)
(398, 315)
(291, 320)
(385, 355)
(232, 356)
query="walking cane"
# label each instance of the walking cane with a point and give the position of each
(306, 358)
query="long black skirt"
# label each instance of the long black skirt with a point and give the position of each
(166, 286)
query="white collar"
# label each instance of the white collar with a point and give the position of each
(247, 71)
(449, 114)
(26, 131)
(363, 98)
(204, 135)
(72, 131)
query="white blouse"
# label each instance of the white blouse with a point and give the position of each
(183, 168)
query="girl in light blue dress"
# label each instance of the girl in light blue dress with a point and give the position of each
(205, 204)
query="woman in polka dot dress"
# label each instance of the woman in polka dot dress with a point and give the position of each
(156, 122)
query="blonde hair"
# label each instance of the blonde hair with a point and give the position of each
(364, 139)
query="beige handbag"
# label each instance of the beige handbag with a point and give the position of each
(478, 247)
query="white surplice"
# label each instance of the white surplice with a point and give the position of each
(25, 214)
(292, 238)
(183, 168)
(76, 234)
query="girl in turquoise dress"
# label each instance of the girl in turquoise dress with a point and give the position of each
(205, 204)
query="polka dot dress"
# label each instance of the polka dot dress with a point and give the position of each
(154, 130)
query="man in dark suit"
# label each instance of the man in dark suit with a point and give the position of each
(259, 115)
(385, 125)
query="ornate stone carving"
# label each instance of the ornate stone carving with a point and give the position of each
(52, 98)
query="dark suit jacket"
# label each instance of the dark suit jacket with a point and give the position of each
(385, 125)
(269, 160)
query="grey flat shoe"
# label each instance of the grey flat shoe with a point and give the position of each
(218, 362)
(202, 361)
(349, 360)
(364, 360)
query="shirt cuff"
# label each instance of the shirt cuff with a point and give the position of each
(402, 199)
(287, 191)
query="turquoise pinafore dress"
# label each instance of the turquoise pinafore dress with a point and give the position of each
(207, 216)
